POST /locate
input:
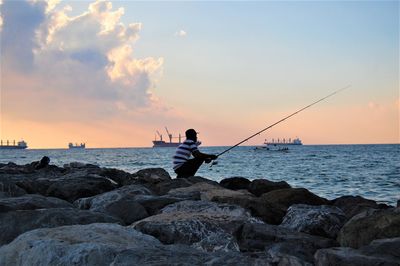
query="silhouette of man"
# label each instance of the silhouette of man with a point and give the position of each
(184, 166)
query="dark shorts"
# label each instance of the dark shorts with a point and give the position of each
(189, 168)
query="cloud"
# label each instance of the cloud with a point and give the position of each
(181, 33)
(74, 67)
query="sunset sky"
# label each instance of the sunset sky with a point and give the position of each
(111, 73)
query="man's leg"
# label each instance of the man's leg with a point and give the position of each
(189, 168)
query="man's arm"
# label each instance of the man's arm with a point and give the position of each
(205, 156)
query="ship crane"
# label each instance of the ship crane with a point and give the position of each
(158, 133)
(169, 135)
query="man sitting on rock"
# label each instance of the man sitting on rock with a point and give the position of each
(183, 165)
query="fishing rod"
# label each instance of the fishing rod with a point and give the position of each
(283, 119)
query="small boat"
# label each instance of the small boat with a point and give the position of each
(13, 146)
(76, 146)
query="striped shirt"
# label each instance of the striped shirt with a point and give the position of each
(183, 152)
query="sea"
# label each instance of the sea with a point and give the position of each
(330, 171)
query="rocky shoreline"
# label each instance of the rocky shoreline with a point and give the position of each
(84, 214)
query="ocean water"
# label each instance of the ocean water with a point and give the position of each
(330, 171)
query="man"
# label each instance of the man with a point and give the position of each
(183, 165)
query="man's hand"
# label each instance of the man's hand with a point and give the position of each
(213, 157)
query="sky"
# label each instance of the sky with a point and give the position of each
(111, 73)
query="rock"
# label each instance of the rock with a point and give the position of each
(32, 202)
(379, 252)
(205, 231)
(266, 211)
(280, 242)
(289, 196)
(199, 179)
(73, 188)
(111, 244)
(121, 177)
(164, 187)
(98, 202)
(370, 225)
(235, 183)
(120, 203)
(352, 205)
(207, 207)
(199, 189)
(261, 186)
(14, 223)
(152, 175)
(321, 220)
(153, 204)
(9, 188)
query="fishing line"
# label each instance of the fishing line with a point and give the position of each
(283, 119)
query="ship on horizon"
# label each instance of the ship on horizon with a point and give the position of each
(160, 143)
(283, 141)
(76, 146)
(13, 146)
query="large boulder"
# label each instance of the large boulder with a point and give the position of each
(121, 177)
(261, 186)
(152, 175)
(120, 203)
(164, 187)
(32, 202)
(206, 229)
(280, 242)
(8, 188)
(200, 189)
(98, 202)
(14, 223)
(153, 204)
(353, 205)
(73, 188)
(289, 196)
(320, 220)
(207, 207)
(235, 183)
(110, 244)
(370, 225)
(378, 252)
(269, 213)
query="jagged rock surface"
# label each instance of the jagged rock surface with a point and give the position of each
(353, 205)
(235, 183)
(289, 196)
(370, 225)
(14, 223)
(280, 242)
(378, 252)
(262, 186)
(32, 202)
(321, 220)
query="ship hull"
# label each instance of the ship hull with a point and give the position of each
(13, 147)
(163, 144)
(282, 144)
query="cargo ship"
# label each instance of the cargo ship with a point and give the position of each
(76, 146)
(8, 145)
(283, 141)
(160, 143)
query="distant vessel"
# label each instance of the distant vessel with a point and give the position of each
(160, 143)
(278, 142)
(19, 145)
(76, 146)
